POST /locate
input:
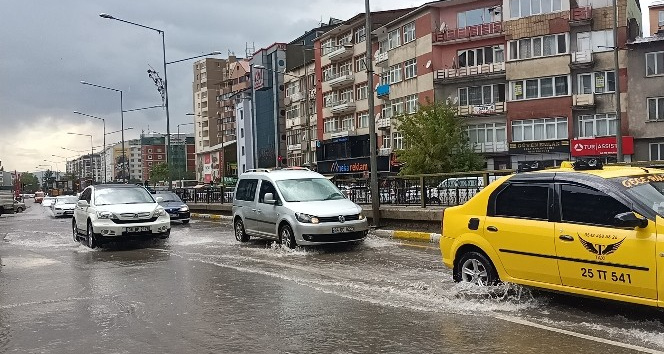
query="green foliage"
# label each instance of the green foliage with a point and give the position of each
(435, 141)
(30, 181)
(159, 172)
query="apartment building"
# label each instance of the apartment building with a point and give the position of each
(341, 97)
(153, 152)
(86, 167)
(114, 162)
(646, 98)
(561, 77)
(656, 16)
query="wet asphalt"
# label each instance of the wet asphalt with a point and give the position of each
(203, 292)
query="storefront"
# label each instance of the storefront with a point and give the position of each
(604, 148)
(549, 152)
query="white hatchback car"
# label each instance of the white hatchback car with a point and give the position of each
(115, 212)
(295, 207)
(64, 205)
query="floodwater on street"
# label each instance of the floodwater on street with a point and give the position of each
(201, 291)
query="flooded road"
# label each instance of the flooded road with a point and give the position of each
(202, 292)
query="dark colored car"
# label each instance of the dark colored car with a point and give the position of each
(174, 206)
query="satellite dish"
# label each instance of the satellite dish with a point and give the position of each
(428, 64)
(447, 100)
(376, 88)
(443, 26)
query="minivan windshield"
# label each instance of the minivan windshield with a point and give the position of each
(110, 196)
(648, 189)
(308, 190)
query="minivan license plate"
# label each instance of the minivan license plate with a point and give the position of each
(339, 230)
(138, 229)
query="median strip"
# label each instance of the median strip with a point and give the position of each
(409, 235)
(211, 216)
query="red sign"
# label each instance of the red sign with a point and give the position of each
(259, 82)
(601, 146)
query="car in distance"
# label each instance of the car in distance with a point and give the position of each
(294, 207)
(583, 229)
(174, 206)
(19, 207)
(39, 197)
(116, 212)
(47, 201)
(64, 205)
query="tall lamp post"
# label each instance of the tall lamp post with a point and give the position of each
(373, 160)
(104, 143)
(619, 147)
(92, 152)
(124, 155)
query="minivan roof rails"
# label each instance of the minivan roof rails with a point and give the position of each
(257, 170)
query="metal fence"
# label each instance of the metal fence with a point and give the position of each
(443, 189)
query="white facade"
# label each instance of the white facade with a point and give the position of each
(245, 134)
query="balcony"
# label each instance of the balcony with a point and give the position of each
(294, 97)
(581, 16)
(383, 91)
(583, 101)
(485, 71)
(493, 147)
(582, 60)
(381, 58)
(384, 151)
(241, 86)
(294, 147)
(341, 80)
(482, 110)
(384, 123)
(468, 33)
(343, 106)
(343, 133)
(293, 122)
(341, 53)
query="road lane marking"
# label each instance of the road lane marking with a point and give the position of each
(523, 322)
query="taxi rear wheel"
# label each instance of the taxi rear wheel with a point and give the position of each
(476, 268)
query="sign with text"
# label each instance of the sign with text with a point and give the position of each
(259, 79)
(356, 165)
(601, 146)
(539, 147)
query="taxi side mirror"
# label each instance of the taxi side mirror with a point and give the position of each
(629, 219)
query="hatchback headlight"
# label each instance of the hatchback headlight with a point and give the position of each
(106, 215)
(306, 218)
(160, 212)
(184, 208)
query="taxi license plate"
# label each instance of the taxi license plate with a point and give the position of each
(339, 230)
(138, 229)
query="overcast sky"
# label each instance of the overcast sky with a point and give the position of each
(48, 46)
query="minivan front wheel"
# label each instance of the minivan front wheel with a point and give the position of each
(286, 237)
(240, 234)
(476, 268)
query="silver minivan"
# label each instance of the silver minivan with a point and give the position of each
(295, 207)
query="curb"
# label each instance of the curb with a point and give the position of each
(410, 235)
(211, 216)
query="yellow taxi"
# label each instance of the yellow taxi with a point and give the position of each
(583, 228)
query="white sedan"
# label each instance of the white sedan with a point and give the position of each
(47, 201)
(64, 205)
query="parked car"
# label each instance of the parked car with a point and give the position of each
(116, 212)
(295, 207)
(19, 207)
(174, 206)
(6, 201)
(47, 201)
(39, 197)
(64, 205)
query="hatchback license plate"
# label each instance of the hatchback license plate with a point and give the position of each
(138, 229)
(339, 230)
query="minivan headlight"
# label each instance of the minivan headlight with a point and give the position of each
(106, 215)
(306, 218)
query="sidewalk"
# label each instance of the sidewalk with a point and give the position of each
(430, 237)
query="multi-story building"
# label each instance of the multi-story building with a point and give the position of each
(656, 16)
(561, 77)
(341, 96)
(113, 158)
(245, 131)
(646, 98)
(153, 152)
(267, 99)
(85, 167)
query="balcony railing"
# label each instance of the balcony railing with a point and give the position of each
(381, 58)
(342, 132)
(342, 106)
(341, 53)
(293, 122)
(498, 146)
(460, 73)
(485, 29)
(582, 59)
(583, 101)
(294, 147)
(384, 151)
(581, 15)
(383, 123)
(342, 79)
(482, 110)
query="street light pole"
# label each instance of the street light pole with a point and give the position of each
(104, 123)
(373, 160)
(619, 147)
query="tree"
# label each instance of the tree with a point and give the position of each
(435, 141)
(30, 182)
(159, 172)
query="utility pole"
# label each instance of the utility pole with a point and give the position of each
(307, 118)
(616, 62)
(373, 160)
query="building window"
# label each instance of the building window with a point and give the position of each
(397, 141)
(158, 150)
(656, 151)
(591, 126)
(327, 46)
(348, 123)
(387, 142)
(525, 8)
(394, 39)
(329, 73)
(330, 125)
(411, 104)
(363, 120)
(397, 106)
(361, 92)
(293, 137)
(410, 68)
(386, 111)
(241, 132)
(491, 133)
(479, 56)
(539, 88)
(535, 47)
(149, 151)
(656, 109)
(395, 74)
(360, 64)
(292, 88)
(149, 157)
(293, 111)
(159, 157)
(595, 41)
(479, 95)
(344, 39)
(478, 17)
(360, 34)
(346, 95)
(654, 63)
(409, 32)
(599, 82)
(539, 129)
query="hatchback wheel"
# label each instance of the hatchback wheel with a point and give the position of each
(286, 237)
(240, 234)
(74, 230)
(476, 268)
(92, 243)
